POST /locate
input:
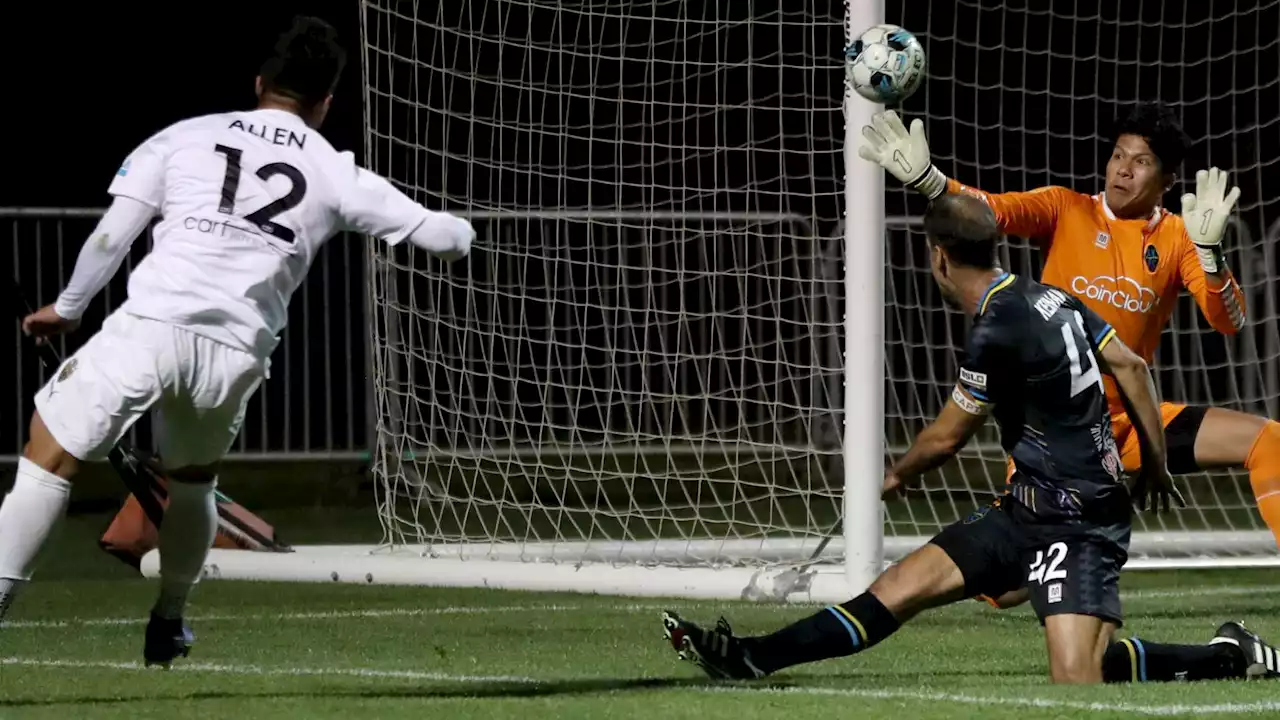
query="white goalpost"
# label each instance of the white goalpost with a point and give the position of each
(695, 324)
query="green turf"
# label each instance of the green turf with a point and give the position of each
(388, 652)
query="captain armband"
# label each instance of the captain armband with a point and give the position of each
(967, 403)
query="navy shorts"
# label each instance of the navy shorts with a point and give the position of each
(1070, 568)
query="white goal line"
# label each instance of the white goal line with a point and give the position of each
(339, 615)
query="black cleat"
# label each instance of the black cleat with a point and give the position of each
(1262, 661)
(720, 655)
(166, 639)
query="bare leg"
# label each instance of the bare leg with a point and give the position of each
(1076, 644)
(927, 578)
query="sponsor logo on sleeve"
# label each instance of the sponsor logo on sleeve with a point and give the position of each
(976, 379)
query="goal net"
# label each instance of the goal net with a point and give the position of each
(641, 367)
(641, 362)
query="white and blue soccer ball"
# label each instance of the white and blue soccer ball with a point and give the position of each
(885, 64)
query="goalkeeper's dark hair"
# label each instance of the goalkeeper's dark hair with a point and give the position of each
(306, 63)
(965, 228)
(1158, 124)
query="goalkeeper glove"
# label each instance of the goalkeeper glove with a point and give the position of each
(1205, 216)
(904, 155)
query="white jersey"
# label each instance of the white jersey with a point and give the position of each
(247, 199)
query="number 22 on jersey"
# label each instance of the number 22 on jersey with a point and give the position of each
(1042, 571)
(262, 217)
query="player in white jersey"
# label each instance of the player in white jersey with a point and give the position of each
(246, 200)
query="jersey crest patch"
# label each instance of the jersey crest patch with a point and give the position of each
(977, 515)
(976, 379)
(67, 369)
(1152, 258)
(1102, 241)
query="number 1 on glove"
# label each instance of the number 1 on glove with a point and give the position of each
(1205, 214)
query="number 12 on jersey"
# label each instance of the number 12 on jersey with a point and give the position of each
(261, 218)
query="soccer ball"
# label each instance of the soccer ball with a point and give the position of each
(885, 64)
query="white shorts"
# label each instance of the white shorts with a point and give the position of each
(199, 387)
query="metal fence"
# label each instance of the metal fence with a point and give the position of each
(318, 402)
(314, 407)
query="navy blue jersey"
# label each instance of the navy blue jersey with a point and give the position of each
(1032, 356)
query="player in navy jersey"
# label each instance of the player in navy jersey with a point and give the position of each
(1034, 359)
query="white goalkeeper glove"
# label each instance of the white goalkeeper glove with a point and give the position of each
(904, 155)
(1205, 216)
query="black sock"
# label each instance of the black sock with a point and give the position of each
(1133, 660)
(836, 631)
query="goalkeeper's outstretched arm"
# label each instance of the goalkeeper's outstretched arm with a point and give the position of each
(905, 155)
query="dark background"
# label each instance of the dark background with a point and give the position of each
(675, 106)
(84, 86)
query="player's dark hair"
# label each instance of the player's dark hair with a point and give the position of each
(965, 228)
(1156, 123)
(306, 64)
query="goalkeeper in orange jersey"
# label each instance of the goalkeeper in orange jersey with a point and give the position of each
(1128, 258)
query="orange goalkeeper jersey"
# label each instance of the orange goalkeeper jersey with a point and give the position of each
(1128, 271)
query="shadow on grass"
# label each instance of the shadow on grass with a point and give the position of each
(489, 689)
(496, 689)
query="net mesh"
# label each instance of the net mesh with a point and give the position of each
(641, 361)
(644, 344)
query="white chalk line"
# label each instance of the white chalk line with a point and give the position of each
(1210, 591)
(317, 615)
(186, 667)
(915, 695)
(1041, 703)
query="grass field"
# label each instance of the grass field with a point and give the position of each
(73, 645)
